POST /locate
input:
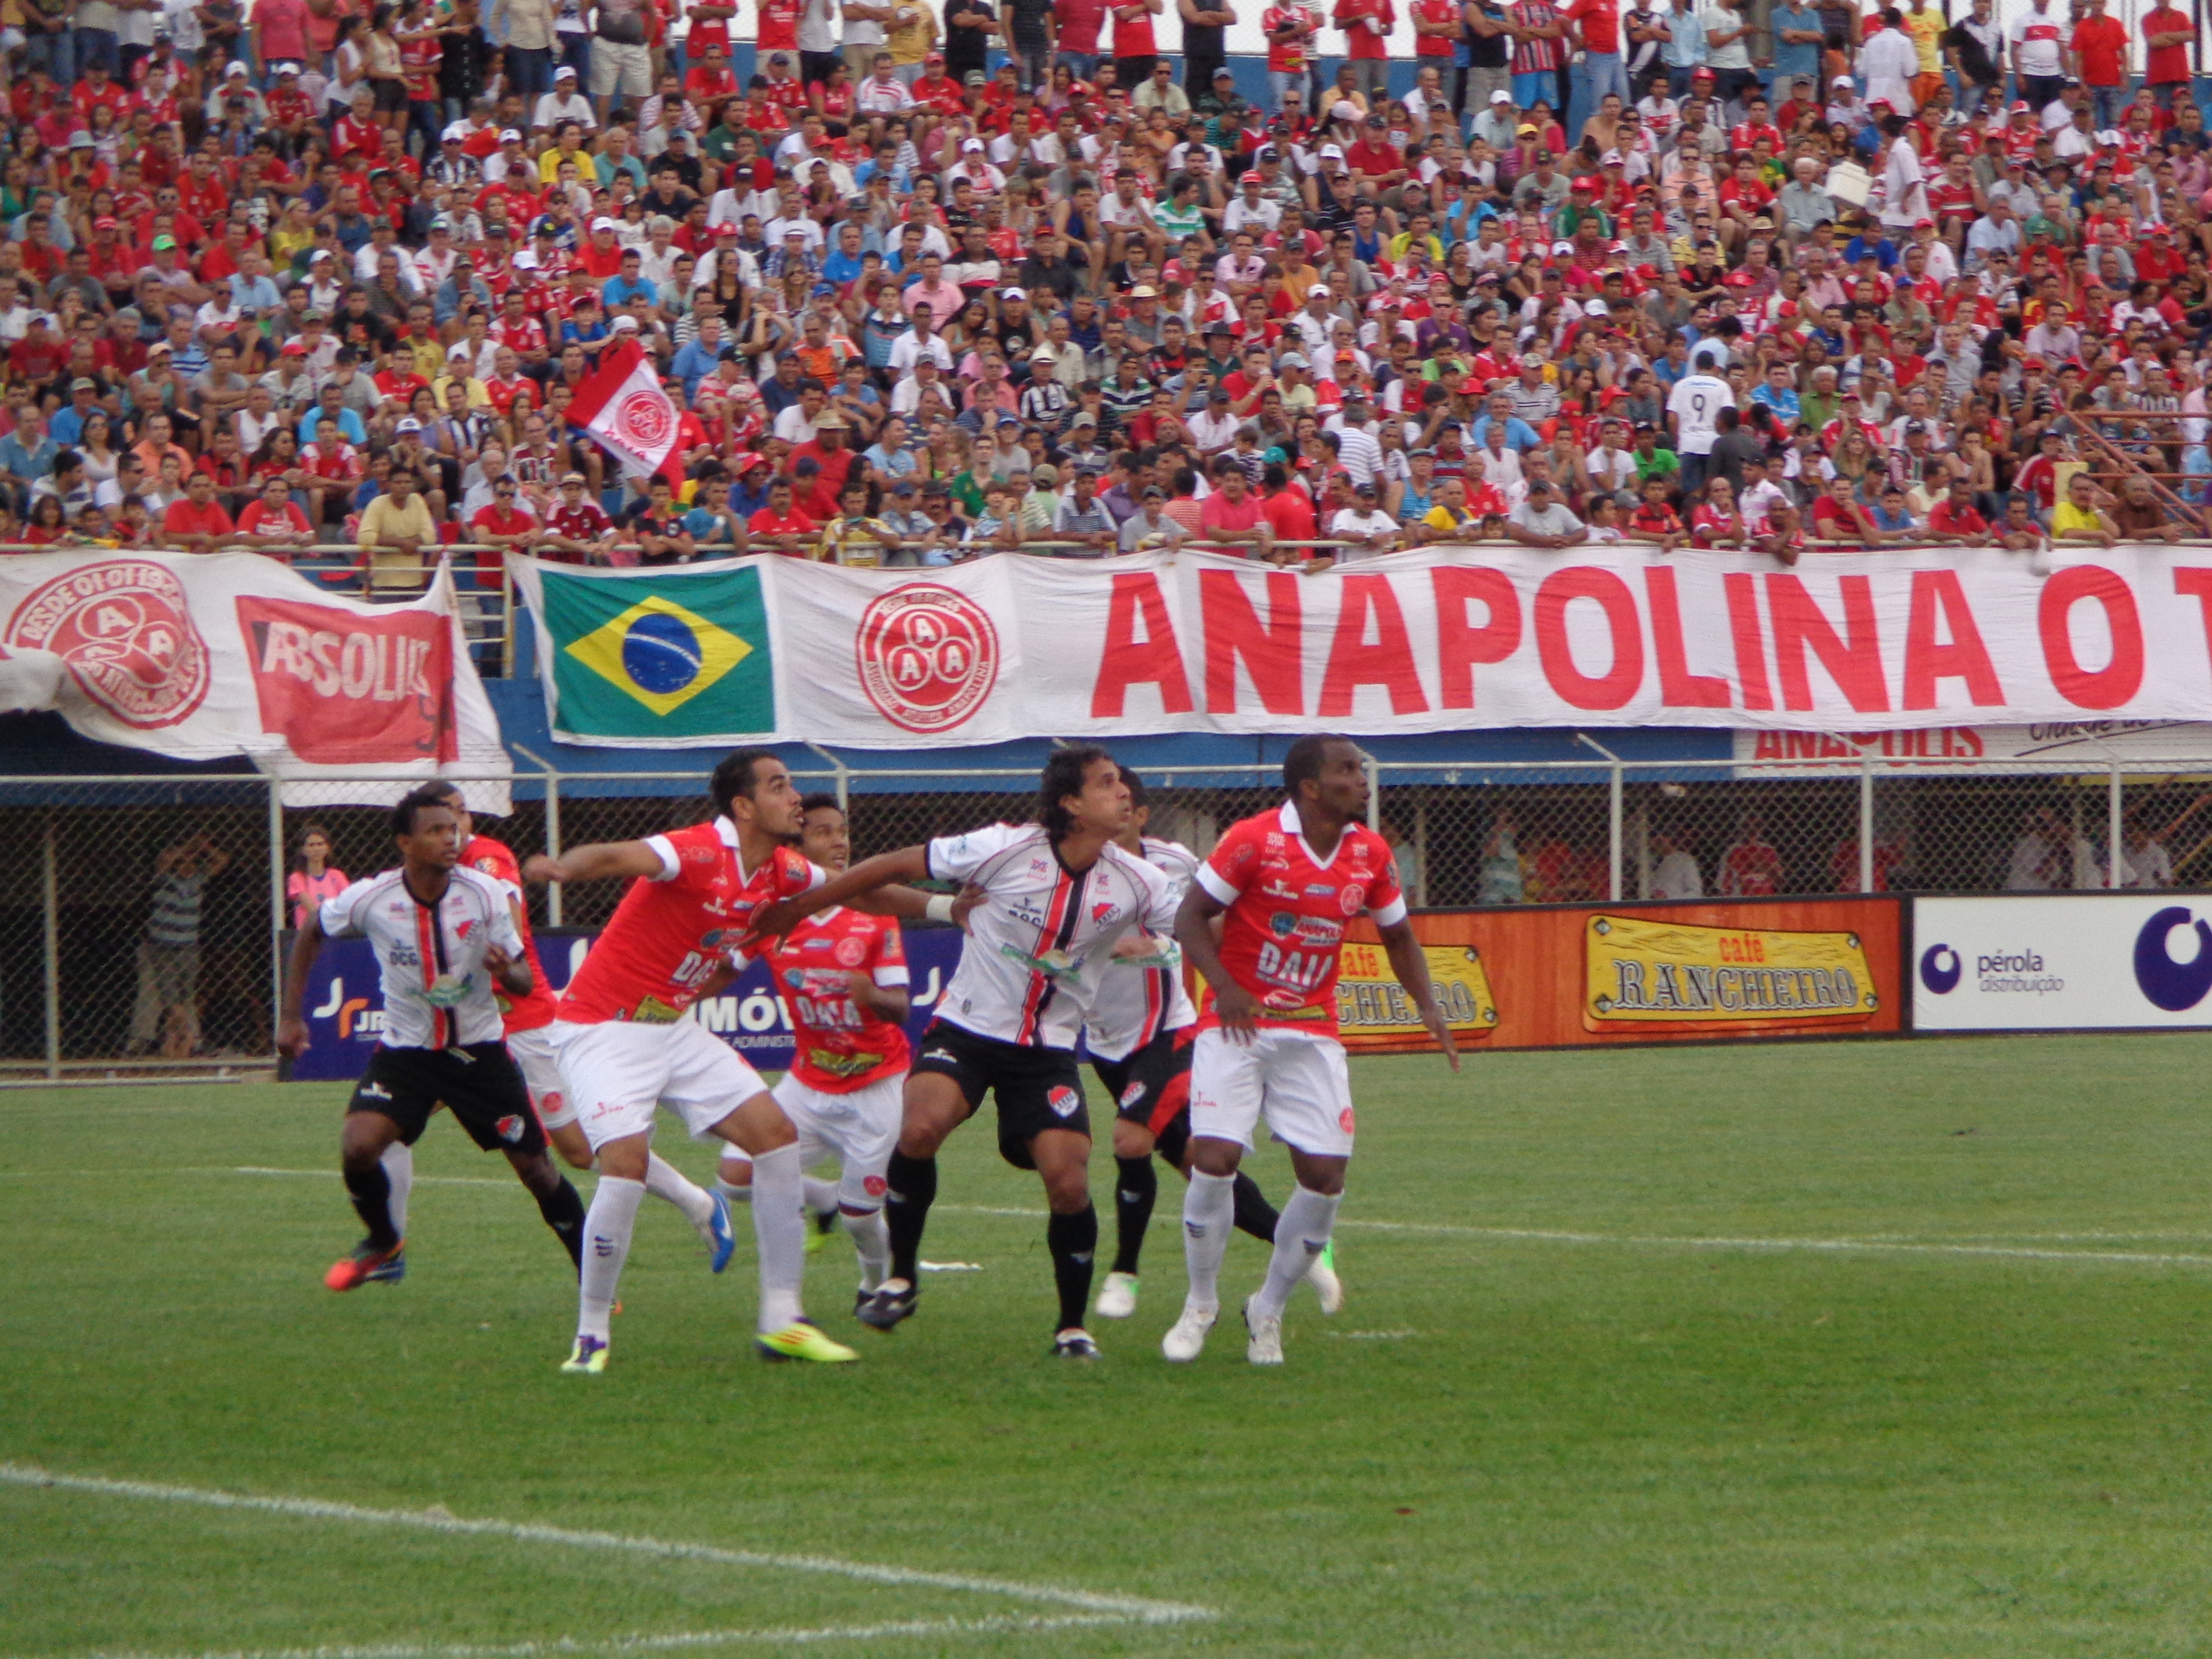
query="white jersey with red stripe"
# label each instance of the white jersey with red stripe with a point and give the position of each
(437, 992)
(673, 927)
(494, 859)
(1282, 934)
(839, 1047)
(1036, 948)
(1135, 1003)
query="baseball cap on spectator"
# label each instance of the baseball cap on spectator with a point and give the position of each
(103, 222)
(544, 228)
(1701, 73)
(623, 324)
(1376, 118)
(566, 72)
(1225, 73)
(1501, 97)
(1292, 360)
(234, 67)
(1044, 354)
(509, 136)
(1047, 475)
(1332, 152)
(163, 243)
(604, 224)
(970, 145)
(1613, 158)
(1526, 129)
(293, 349)
(454, 132)
(975, 78)
(80, 140)
(2020, 107)
(725, 228)
(1343, 111)
(1151, 493)
(1842, 80)
(1086, 419)
(410, 424)
(1144, 291)
(1014, 294)
(933, 58)
(284, 69)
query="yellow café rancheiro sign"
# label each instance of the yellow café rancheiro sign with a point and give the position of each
(1641, 970)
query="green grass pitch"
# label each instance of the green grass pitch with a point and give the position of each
(1839, 1350)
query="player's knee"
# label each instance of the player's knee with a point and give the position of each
(1067, 1190)
(1215, 1157)
(1132, 1140)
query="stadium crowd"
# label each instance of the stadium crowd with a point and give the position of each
(932, 284)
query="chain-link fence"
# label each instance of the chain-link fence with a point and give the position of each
(141, 921)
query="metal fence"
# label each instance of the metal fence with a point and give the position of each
(86, 987)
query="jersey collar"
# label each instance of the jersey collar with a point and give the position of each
(1292, 825)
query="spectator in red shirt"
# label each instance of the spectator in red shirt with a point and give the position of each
(1232, 517)
(578, 529)
(198, 524)
(1954, 519)
(782, 527)
(505, 524)
(2167, 36)
(2100, 41)
(270, 523)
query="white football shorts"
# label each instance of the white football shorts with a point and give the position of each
(541, 1075)
(615, 1073)
(860, 1129)
(1295, 1080)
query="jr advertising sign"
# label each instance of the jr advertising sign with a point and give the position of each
(2062, 962)
(345, 1014)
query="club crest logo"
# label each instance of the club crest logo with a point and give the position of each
(927, 656)
(645, 419)
(510, 1130)
(124, 628)
(851, 953)
(1064, 1100)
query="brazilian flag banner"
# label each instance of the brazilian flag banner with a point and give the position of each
(652, 657)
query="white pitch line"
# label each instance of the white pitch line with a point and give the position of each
(677, 1642)
(1883, 1246)
(1130, 1608)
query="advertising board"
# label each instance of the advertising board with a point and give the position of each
(2062, 962)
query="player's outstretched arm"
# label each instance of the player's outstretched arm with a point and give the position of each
(1194, 931)
(1411, 964)
(291, 1024)
(598, 860)
(908, 864)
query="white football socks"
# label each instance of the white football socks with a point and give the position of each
(871, 1238)
(1209, 1214)
(821, 1195)
(607, 1247)
(779, 1231)
(664, 1180)
(1300, 1236)
(399, 1161)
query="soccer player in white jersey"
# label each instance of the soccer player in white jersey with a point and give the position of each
(1285, 884)
(843, 976)
(1058, 896)
(625, 1046)
(443, 937)
(1138, 1037)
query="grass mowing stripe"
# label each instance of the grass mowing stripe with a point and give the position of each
(676, 1641)
(1131, 1608)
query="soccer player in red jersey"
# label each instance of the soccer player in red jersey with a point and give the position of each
(527, 1019)
(842, 973)
(625, 1047)
(1285, 884)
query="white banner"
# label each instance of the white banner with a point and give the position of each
(205, 656)
(2062, 963)
(2076, 746)
(1438, 640)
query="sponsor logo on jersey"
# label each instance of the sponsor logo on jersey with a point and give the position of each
(713, 937)
(1131, 1095)
(814, 944)
(852, 952)
(1064, 1101)
(1282, 924)
(509, 1128)
(1317, 930)
(1276, 889)
(944, 1055)
(831, 1063)
(1322, 889)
